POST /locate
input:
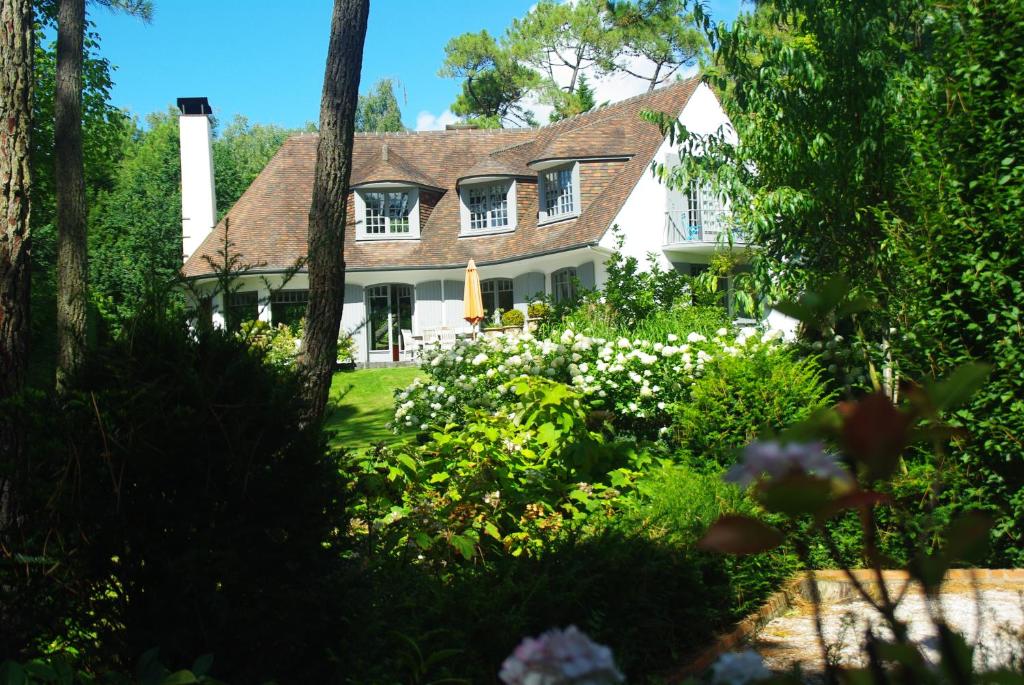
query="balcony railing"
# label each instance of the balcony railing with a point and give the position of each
(703, 227)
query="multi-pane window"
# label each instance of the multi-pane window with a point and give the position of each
(559, 194)
(497, 295)
(288, 307)
(387, 212)
(241, 306)
(488, 206)
(563, 285)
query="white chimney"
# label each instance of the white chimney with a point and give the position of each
(198, 199)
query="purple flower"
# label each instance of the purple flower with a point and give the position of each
(560, 657)
(772, 459)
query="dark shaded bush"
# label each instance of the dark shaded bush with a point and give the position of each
(636, 583)
(188, 509)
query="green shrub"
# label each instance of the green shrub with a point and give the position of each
(510, 482)
(278, 345)
(200, 516)
(513, 317)
(538, 309)
(741, 396)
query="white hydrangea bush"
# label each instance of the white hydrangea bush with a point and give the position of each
(636, 379)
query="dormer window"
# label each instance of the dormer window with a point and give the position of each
(488, 207)
(559, 193)
(387, 213)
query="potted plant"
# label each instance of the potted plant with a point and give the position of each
(537, 310)
(512, 321)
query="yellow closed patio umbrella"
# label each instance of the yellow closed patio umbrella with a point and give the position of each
(473, 299)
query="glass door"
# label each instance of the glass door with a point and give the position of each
(390, 312)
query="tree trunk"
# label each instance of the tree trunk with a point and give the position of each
(16, 52)
(72, 259)
(326, 256)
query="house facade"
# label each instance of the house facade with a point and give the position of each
(535, 209)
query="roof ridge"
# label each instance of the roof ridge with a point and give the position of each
(497, 131)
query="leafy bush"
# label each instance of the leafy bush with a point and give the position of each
(635, 582)
(346, 347)
(636, 380)
(742, 396)
(198, 515)
(521, 478)
(513, 317)
(538, 309)
(278, 345)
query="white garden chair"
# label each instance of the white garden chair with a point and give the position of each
(446, 337)
(410, 345)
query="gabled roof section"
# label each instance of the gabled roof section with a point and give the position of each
(389, 166)
(602, 139)
(268, 224)
(495, 165)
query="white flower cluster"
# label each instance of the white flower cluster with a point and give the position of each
(560, 657)
(637, 378)
(774, 460)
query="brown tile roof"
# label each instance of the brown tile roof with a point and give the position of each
(268, 223)
(388, 165)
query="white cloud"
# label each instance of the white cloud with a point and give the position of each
(428, 121)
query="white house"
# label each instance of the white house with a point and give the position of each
(535, 209)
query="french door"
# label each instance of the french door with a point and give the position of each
(390, 312)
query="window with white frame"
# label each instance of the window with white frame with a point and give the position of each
(497, 295)
(563, 285)
(387, 213)
(559, 192)
(488, 207)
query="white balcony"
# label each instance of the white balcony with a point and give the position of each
(701, 231)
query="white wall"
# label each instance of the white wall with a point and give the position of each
(198, 199)
(642, 218)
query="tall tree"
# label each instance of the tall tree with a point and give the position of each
(378, 110)
(561, 39)
(655, 39)
(326, 251)
(16, 52)
(494, 82)
(72, 249)
(72, 244)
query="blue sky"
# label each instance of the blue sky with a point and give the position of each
(265, 58)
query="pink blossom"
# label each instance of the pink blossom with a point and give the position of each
(560, 657)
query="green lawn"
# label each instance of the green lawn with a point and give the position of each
(361, 404)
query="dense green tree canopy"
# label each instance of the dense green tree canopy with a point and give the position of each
(378, 110)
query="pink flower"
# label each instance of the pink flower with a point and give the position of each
(560, 657)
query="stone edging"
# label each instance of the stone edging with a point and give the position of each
(836, 586)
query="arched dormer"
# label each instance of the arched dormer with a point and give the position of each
(387, 197)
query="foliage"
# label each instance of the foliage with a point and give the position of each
(659, 32)
(346, 347)
(959, 243)
(187, 508)
(135, 227)
(633, 293)
(277, 345)
(804, 486)
(915, 200)
(106, 131)
(240, 152)
(650, 595)
(538, 309)
(513, 317)
(508, 482)
(378, 111)
(494, 82)
(740, 397)
(60, 669)
(578, 102)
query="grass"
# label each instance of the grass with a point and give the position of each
(361, 404)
